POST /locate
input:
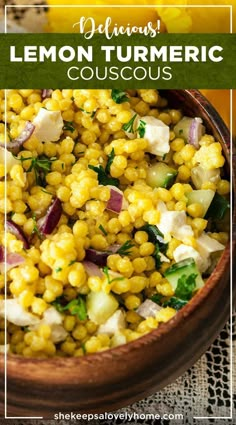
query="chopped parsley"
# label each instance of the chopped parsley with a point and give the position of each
(110, 160)
(103, 178)
(129, 126)
(102, 229)
(175, 303)
(181, 131)
(156, 298)
(41, 166)
(36, 230)
(125, 248)
(58, 269)
(69, 126)
(141, 128)
(71, 262)
(157, 238)
(119, 96)
(89, 113)
(46, 191)
(76, 307)
(186, 286)
(185, 289)
(109, 280)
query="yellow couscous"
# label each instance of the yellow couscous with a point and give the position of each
(114, 203)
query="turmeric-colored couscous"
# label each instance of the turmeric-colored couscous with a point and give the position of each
(114, 205)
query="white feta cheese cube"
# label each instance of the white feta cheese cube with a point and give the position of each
(184, 251)
(58, 333)
(48, 125)
(148, 309)
(114, 324)
(16, 314)
(208, 245)
(174, 223)
(10, 160)
(156, 133)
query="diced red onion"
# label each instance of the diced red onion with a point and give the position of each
(46, 93)
(196, 131)
(100, 257)
(14, 145)
(190, 129)
(48, 223)
(97, 257)
(92, 269)
(148, 309)
(16, 230)
(116, 200)
(112, 249)
(12, 260)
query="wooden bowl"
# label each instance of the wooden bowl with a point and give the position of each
(120, 376)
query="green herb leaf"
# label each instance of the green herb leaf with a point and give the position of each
(83, 348)
(106, 272)
(58, 269)
(119, 96)
(103, 230)
(41, 166)
(125, 248)
(156, 298)
(186, 286)
(175, 303)
(110, 160)
(69, 126)
(89, 113)
(58, 304)
(157, 256)
(71, 262)
(76, 307)
(102, 176)
(46, 191)
(155, 236)
(129, 126)
(36, 230)
(141, 128)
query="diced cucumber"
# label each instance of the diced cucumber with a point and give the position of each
(185, 267)
(100, 306)
(219, 207)
(200, 175)
(161, 175)
(203, 197)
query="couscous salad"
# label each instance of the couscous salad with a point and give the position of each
(115, 204)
